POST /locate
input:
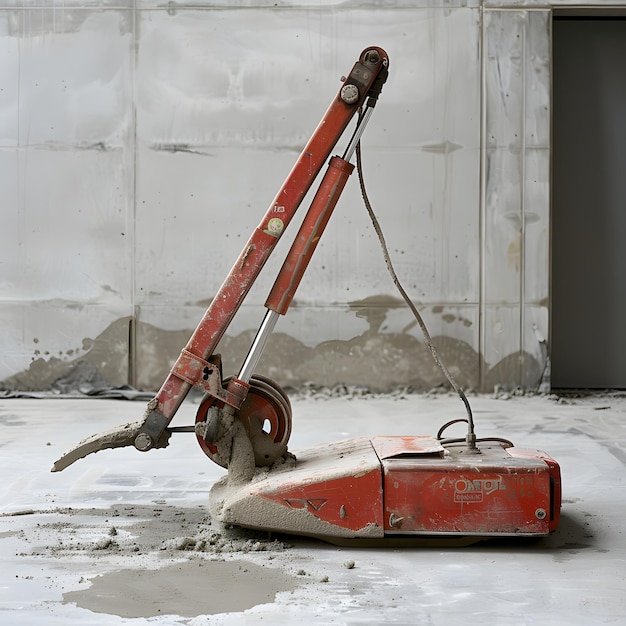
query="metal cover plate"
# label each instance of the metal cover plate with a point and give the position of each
(389, 447)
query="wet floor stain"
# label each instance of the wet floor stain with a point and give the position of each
(189, 588)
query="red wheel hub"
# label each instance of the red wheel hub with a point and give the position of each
(266, 416)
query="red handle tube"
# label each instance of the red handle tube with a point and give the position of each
(308, 236)
(368, 73)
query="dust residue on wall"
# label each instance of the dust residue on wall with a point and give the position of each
(377, 361)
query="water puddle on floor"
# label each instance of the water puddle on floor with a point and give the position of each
(187, 589)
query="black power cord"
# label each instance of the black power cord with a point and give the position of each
(471, 435)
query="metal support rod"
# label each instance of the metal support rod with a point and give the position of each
(258, 345)
(356, 137)
(271, 317)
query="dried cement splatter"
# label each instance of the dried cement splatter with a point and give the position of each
(126, 530)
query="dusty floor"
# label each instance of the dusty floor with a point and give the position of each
(124, 538)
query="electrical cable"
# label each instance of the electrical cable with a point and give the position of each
(448, 424)
(471, 435)
(506, 443)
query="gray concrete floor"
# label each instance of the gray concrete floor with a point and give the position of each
(122, 537)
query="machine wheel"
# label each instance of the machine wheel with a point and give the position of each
(266, 416)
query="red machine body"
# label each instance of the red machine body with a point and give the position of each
(491, 491)
(401, 487)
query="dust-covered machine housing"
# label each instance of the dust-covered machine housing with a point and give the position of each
(401, 487)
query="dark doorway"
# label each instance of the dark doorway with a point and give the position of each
(588, 282)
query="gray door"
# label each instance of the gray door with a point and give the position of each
(588, 322)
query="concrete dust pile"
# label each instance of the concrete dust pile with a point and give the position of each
(225, 540)
(135, 529)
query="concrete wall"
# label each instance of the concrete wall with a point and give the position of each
(141, 142)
